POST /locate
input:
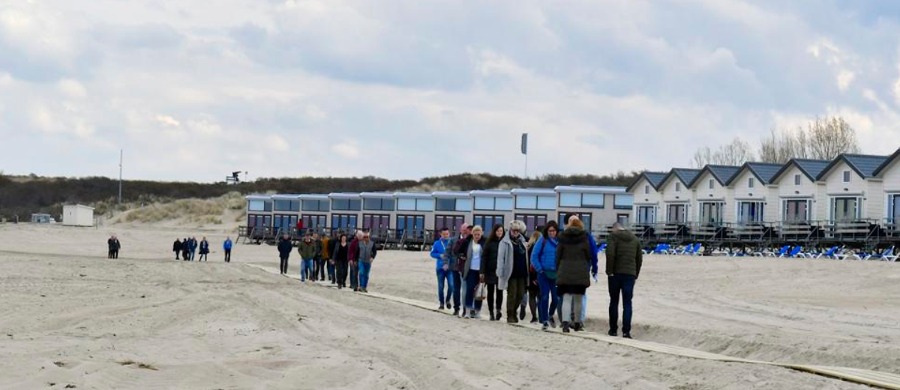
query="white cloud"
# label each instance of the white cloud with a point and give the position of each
(844, 79)
(615, 85)
(168, 121)
(346, 150)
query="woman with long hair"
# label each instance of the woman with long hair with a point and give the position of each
(512, 268)
(472, 269)
(489, 271)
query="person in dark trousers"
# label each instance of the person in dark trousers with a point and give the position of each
(326, 257)
(457, 263)
(623, 266)
(340, 257)
(176, 247)
(512, 268)
(472, 270)
(533, 290)
(204, 249)
(226, 246)
(284, 252)
(573, 265)
(543, 260)
(352, 255)
(111, 244)
(489, 272)
(440, 252)
(319, 272)
(194, 245)
(365, 256)
(185, 248)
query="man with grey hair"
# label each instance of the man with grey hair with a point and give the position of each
(353, 256)
(512, 268)
(623, 265)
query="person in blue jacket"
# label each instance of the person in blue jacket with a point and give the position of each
(440, 252)
(543, 259)
(284, 252)
(227, 247)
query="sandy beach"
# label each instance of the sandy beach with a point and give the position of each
(71, 317)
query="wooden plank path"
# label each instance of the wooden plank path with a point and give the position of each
(855, 375)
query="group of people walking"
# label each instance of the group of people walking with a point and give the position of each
(335, 257)
(189, 246)
(550, 272)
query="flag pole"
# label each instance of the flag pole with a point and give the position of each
(525, 151)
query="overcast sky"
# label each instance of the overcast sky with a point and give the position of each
(192, 90)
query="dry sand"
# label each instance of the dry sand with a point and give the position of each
(72, 317)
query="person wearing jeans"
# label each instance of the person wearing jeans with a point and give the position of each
(440, 252)
(543, 259)
(472, 269)
(623, 266)
(458, 247)
(307, 250)
(365, 252)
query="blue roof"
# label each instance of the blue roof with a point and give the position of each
(887, 162)
(722, 173)
(864, 165)
(764, 172)
(811, 168)
(686, 175)
(654, 178)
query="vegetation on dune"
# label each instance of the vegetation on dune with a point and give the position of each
(24, 195)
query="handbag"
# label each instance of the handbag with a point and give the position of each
(480, 292)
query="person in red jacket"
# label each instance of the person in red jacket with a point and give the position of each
(353, 255)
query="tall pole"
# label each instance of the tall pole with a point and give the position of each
(524, 150)
(120, 176)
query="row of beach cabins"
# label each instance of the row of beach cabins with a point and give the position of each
(410, 219)
(853, 200)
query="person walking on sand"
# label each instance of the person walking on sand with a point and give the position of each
(284, 252)
(116, 246)
(532, 290)
(543, 259)
(489, 272)
(204, 249)
(472, 269)
(226, 246)
(307, 250)
(366, 253)
(594, 263)
(512, 268)
(111, 244)
(339, 257)
(352, 256)
(193, 248)
(457, 263)
(623, 266)
(319, 267)
(440, 252)
(573, 264)
(326, 257)
(176, 247)
(185, 249)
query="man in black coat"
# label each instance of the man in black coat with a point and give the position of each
(284, 252)
(176, 247)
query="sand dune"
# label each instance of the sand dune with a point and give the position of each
(72, 317)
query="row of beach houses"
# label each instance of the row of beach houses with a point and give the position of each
(854, 195)
(412, 216)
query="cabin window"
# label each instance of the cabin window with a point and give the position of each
(623, 202)
(712, 184)
(646, 189)
(750, 182)
(797, 180)
(677, 187)
(846, 176)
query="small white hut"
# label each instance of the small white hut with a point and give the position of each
(78, 215)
